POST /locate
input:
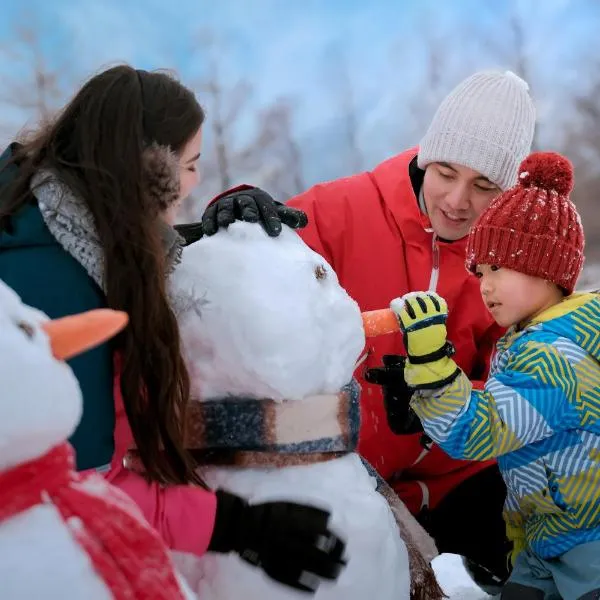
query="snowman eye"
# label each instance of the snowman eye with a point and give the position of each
(320, 272)
(27, 329)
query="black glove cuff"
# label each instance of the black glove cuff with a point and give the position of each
(405, 422)
(190, 232)
(230, 511)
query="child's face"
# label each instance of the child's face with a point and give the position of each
(512, 297)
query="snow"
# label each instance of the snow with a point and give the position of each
(271, 311)
(41, 406)
(41, 559)
(397, 304)
(43, 403)
(454, 579)
(293, 285)
(273, 321)
(377, 557)
(449, 570)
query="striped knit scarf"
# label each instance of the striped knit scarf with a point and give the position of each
(72, 224)
(250, 432)
(261, 433)
(247, 432)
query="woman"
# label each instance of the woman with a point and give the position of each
(85, 206)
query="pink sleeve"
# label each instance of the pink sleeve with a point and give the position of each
(183, 515)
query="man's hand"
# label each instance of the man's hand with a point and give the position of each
(396, 394)
(253, 205)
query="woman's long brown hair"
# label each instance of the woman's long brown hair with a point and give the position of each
(95, 145)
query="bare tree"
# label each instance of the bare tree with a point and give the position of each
(32, 90)
(443, 69)
(244, 143)
(433, 86)
(224, 108)
(227, 103)
(350, 116)
(582, 145)
(279, 153)
(271, 158)
(516, 54)
(339, 81)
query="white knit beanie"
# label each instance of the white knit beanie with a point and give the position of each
(486, 123)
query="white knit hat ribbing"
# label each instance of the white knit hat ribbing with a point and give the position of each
(486, 123)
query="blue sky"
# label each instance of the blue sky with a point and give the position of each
(296, 49)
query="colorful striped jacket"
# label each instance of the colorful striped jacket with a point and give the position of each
(539, 414)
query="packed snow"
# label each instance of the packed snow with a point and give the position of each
(454, 579)
(274, 322)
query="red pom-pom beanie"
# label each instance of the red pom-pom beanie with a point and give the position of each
(533, 227)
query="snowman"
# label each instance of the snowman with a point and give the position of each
(63, 534)
(271, 341)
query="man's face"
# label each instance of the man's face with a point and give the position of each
(455, 196)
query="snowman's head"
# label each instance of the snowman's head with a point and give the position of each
(272, 320)
(40, 403)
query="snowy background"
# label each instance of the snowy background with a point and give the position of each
(300, 92)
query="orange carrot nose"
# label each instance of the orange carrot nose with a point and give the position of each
(75, 334)
(380, 322)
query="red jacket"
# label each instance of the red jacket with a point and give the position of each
(370, 229)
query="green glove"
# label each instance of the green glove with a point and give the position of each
(422, 317)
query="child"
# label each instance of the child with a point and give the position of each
(539, 413)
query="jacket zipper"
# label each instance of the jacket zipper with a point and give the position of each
(433, 281)
(435, 266)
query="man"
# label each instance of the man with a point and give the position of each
(401, 228)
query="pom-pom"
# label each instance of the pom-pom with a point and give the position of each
(161, 177)
(547, 170)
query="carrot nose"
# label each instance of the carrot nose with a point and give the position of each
(380, 322)
(75, 334)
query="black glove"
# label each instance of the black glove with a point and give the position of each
(289, 541)
(254, 206)
(190, 232)
(396, 394)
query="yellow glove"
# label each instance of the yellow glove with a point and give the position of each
(422, 317)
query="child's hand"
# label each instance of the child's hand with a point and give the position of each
(422, 317)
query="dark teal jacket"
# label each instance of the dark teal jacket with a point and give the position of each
(48, 278)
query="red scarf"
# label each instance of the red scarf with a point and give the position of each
(126, 553)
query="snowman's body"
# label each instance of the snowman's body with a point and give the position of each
(273, 322)
(41, 404)
(378, 561)
(40, 559)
